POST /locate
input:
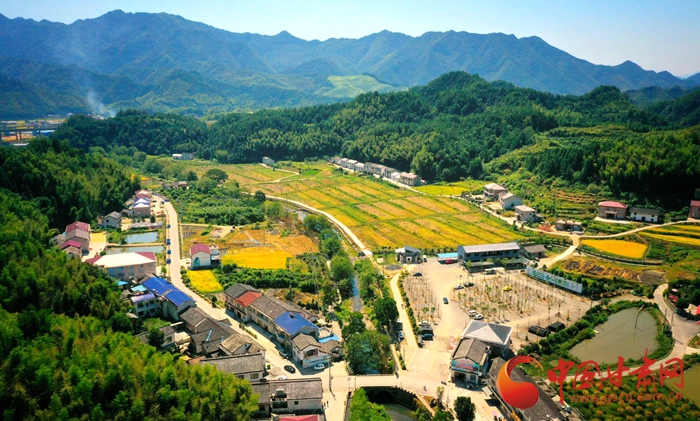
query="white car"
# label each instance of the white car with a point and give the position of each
(282, 377)
(459, 286)
(478, 316)
(319, 367)
(472, 313)
(424, 323)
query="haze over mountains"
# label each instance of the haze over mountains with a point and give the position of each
(163, 62)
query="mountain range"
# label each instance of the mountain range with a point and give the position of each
(163, 62)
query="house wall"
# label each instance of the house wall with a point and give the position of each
(695, 211)
(510, 202)
(254, 377)
(611, 213)
(479, 256)
(292, 406)
(201, 259)
(136, 271)
(109, 222)
(84, 243)
(644, 217)
(526, 216)
(142, 211)
(148, 308)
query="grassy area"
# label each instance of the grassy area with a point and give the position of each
(691, 388)
(622, 248)
(257, 258)
(381, 214)
(352, 86)
(204, 281)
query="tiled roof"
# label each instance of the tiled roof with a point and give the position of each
(329, 346)
(645, 211)
(85, 235)
(84, 226)
(212, 333)
(262, 389)
(115, 215)
(238, 364)
(268, 307)
(470, 348)
(236, 290)
(293, 323)
(70, 243)
(303, 340)
(246, 299)
(297, 389)
(611, 204)
(411, 249)
(199, 247)
(488, 332)
(193, 316)
(535, 248)
(492, 186)
(524, 208)
(695, 203)
(239, 344)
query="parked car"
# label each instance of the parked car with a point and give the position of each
(167, 241)
(401, 336)
(417, 274)
(319, 367)
(290, 368)
(284, 354)
(424, 323)
(478, 316)
(459, 286)
(444, 300)
(472, 313)
(427, 337)
(282, 377)
(168, 225)
(469, 284)
(507, 288)
(167, 261)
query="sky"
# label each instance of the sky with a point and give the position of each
(657, 35)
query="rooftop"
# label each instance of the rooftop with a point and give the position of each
(239, 344)
(535, 248)
(247, 298)
(199, 247)
(611, 204)
(695, 203)
(263, 390)
(84, 226)
(193, 316)
(115, 215)
(238, 364)
(302, 341)
(162, 288)
(70, 243)
(524, 208)
(645, 211)
(236, 290)
(293, 323)
(143, 297)
(488, 332)
(507, 196)
(297, 389)
(490, 247)
(125, 259)
(470, 348)
(494, 186)
(178, 297)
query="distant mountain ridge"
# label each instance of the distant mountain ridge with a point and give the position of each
(219, 70)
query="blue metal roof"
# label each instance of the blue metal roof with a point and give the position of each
(292, 323)
(328, 338)
(177, 297)
(139, 288)
(158, 285)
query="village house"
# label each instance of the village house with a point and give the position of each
(396, 177)
(612, 210)
(694, 209)
(308, 351)
(240, 308)
(493, 190)
(143, 194)
(373, 168)
(240, 344)
(296, 396)
(249, 367)
(343, 162)
(200, 255)
(350, 164)
(468, 362)
(645, 215)
(387, 172)
(111, 220)
(534, 251)
(268, 161)
(126, 265)
(509, 201)
(173, 302)
(141, 207)
(145, 304)
(525, 213)
(409, 179)
(408, 254)
(482, 252)
(185, 156)
(360, 167)
(568, 225)
(289, 324)
(79, 232)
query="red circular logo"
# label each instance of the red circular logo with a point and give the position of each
(521, 395)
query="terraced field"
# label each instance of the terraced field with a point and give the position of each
(380, 214)
(680, 234)
(619, 247)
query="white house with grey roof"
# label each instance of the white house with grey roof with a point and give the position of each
(483, 252)
(249, 367)
(111, 220)
(645, 215)
(509, 200)
(468, 362)
(296, 396)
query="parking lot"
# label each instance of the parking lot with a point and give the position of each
(505, 297)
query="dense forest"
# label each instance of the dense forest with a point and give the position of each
(68, 344)
(459, 126)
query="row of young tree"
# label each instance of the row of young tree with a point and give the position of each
(68, 343)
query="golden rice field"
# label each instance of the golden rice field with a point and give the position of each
(672, 238)
(204, 281)
(257, 258)
(452, 189)
(618, 247)
(381, 214)
(98, 237)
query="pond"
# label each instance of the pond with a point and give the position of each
(133, 249)
(618, 337)
(142, 237)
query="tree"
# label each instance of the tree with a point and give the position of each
(386, 311)
(217, 175)
(369, 353)
(260, 196)
(156, 338)
(341, 268)
(356, 324)
(361, 409)
(329, 293)
(331, 245)
(443, 416)
(191, 176)
(205, 184)
(465, 409)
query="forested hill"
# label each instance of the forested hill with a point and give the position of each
(67, 343)
(161, 62)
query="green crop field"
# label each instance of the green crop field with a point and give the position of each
(379, 213)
